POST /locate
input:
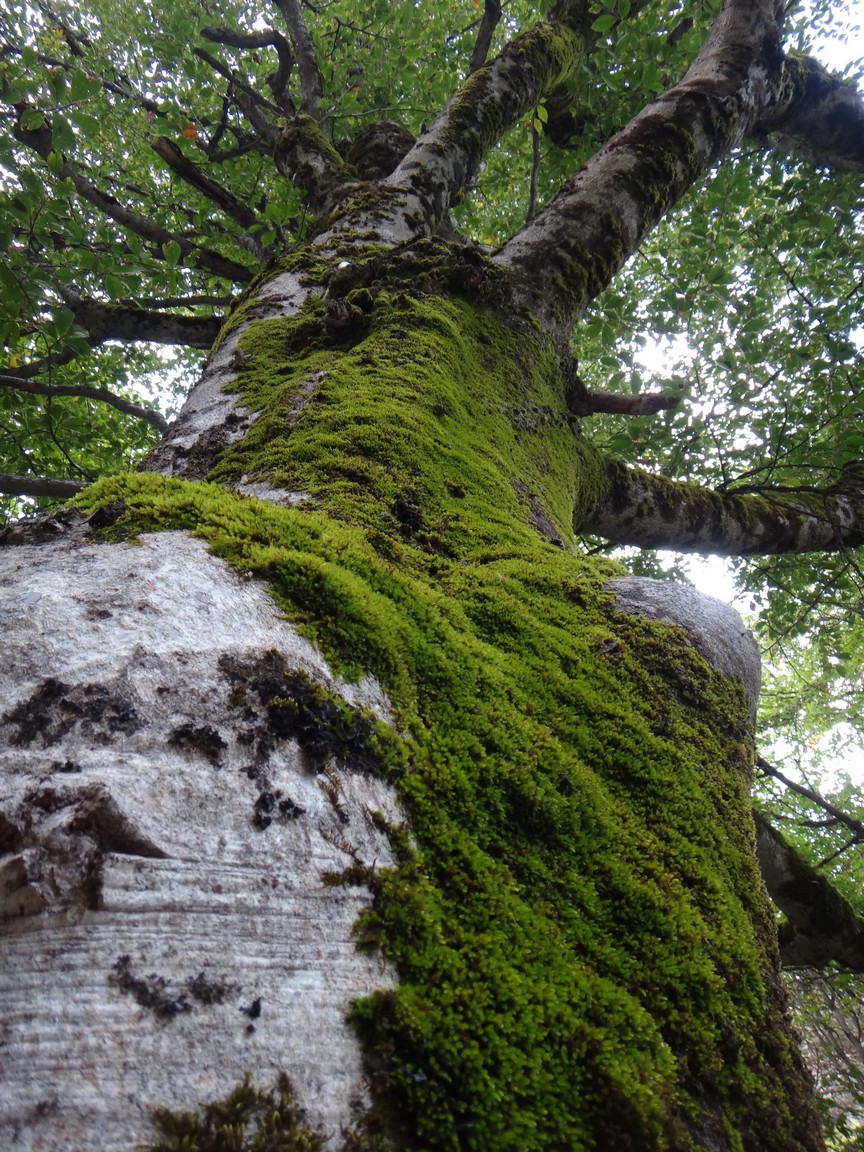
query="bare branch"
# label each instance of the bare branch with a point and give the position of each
(277, 81)
(491, 16)
(822, 925)
(644, 404)
(11, 485)
(649, 511)
(122, 322)
(256, 97)
(535, 174)
(855, 826)
(101, 394)
(180, 164)
(311, 83)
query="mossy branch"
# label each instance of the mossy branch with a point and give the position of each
(817, 115)
(648, 511)
(570, 252)
(446, 157)
(822, 926)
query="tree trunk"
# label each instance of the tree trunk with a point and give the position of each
(344, 764)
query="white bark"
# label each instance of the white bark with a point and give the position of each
(212, 416)
(137, 881)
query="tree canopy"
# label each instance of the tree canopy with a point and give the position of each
(154, 157)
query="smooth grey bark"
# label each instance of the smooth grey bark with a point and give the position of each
(166, 920)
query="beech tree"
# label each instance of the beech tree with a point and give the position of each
(353, 797)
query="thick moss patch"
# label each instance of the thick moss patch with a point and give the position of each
(577, 918)
(426, 417)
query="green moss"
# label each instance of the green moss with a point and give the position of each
(249, 1120)
(587, 959)
(383, 415)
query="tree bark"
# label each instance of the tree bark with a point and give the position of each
(525, 793)
(327, 753)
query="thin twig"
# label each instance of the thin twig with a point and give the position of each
(855, 826)
(91, 393)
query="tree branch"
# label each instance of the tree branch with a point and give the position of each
(183, 167)
(234, 79)
(122, 322)
(488, 24)
(816, 114)
(648, 511)
(644, 404)
(277, 81)
(100, 394)
(449, 154)
(11, 485)
(572, 249)
(311, 83)
(40, 141)
(822, 926)
(855, 826)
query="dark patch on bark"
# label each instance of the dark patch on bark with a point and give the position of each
(286, 704)
(197, 462)
(107, 516)
(539, 518)
(54, 709)
(202, 738)
(153, 992)
(272, 806)
(207, 991)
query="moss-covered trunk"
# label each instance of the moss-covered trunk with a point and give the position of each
(586, 956)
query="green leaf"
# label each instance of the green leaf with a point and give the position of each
(31, 119)
(605, 22)
(115, 287)
(63, 136)
(57, 84)
(172, 252)
(64, 318)
(82, 86)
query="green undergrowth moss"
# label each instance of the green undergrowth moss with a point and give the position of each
(586, 957)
